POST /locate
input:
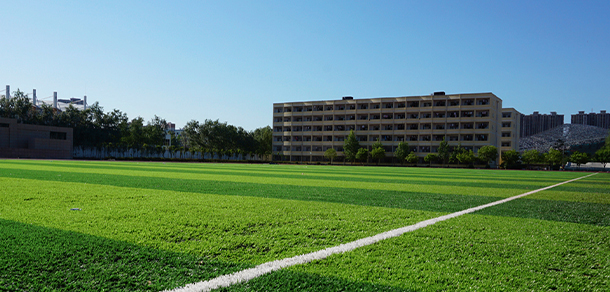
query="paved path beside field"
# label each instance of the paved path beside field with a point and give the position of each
(249, 274)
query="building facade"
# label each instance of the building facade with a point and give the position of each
(510, 129)
(537, 123)
(34, 141)
(601, 120)
(303, 131)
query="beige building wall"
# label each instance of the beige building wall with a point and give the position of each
(302, 131)
(510, 127)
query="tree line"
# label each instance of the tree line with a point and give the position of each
(445, 154)
(95, 128)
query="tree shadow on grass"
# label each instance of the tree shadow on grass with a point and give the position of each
(34, 258)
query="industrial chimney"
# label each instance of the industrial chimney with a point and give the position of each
(85, 102)
(8, 92)
(55, 99)
(34, 96)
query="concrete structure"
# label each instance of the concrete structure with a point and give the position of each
(510, 129)
(302, 131)
(601, 120)
(33, 141)
(536, 123)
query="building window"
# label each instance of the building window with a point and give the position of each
(506, 125)
(505, 144)
(467, 114)
(467, 102)
(505, 134)
(484, 101)
(506, 115)
(58, 135)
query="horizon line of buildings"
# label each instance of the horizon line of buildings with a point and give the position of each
(303, 131)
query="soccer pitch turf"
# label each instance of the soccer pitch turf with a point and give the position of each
(155, 226)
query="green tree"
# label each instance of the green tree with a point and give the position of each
(553, 157)
(444, 153)
(351, 147)
(488, 153)
(510, 158)
(530, 157)
(579, 158)
(362, 155)
(377, 144)
(330, 154)
(412, 158)
(431, 157)
(454, 153)
(603, 155)
(466, 157)
(402, 151)
(263, 138)
(378, 154)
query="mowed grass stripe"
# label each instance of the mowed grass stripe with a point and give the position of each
(498, 189)
(229, 228)
(379, 174)
(34, 258)
(437, 198)
(472, 252)
(260, 270)
(591, 205)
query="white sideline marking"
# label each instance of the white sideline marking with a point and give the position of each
(249, 274)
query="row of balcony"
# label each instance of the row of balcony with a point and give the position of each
(385, 127)
(319, 150)
(384, 116)
(396, 138)
(384, 105)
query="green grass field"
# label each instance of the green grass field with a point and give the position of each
(155, 226)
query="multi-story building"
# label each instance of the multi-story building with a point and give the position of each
(537, 123)
(510, 128)
(303, 131)
(601, 120)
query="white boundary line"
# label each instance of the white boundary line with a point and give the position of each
(249, 274)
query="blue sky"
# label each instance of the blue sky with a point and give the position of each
(231, 60)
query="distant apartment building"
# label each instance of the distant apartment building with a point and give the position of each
(34, 141)
(303, 131)
(601, 119)
(510, 129)
(537, 123)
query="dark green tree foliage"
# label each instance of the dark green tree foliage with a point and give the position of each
(510, 159)
(431, 157)
(553, 157)
(350, 147)
(402, 151)
(222, 138)
(466, 157)
(444, 153)
(330, 154)
(531, 156)
(455, 152)
(488, 153)
(362, 155)
(579, 158)
(378, 152)
(412, 158)
(263, 137)
(95, 128)
(603, 156)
